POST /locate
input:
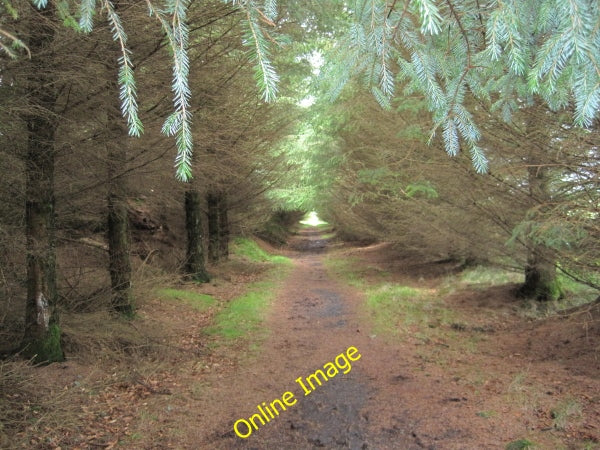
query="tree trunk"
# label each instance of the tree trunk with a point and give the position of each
(541, 281)
(194, 265)
(223, 226)
(212, 200)
(118, 230)
(119, 263)
(41, 340)
(118, 219)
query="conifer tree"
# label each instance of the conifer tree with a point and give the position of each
(501, 52)
(41, 340)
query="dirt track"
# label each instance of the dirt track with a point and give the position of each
(484, 379)
(314, 319)
(401, 394)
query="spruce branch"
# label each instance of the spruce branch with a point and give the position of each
(127, 86)
(265, 74)
(179, 123)
(87, 9)
(18, 43)
(430, 16)
(270, 7)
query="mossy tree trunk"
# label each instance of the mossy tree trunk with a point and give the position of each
(541, 280)
(41, 340)
(194, 265)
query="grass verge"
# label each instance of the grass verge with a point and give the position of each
(250, 250)
(394, 308)
(242, 317)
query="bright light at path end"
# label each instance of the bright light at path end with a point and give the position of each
(312, 219)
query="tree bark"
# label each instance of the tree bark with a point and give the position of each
(223, 226)
(212, 200)
(41, 340)
(194, 265)
(118, 229)
(118, 254)
(541, 280)
(118, 234)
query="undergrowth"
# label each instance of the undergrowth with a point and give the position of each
(118, 357)
(28, 411)
(398, 308)
(482, 276)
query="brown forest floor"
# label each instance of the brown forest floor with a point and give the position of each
(489, 378)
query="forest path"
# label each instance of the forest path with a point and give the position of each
(457, 367)
(433, 385)
(313, 319)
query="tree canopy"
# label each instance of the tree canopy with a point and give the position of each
(505, 53)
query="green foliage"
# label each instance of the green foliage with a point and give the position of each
(489, 276)
(555, 235)
(63, 12)
(179, 124)
(312, 154)
(396, 307)
(507, 51)
(87, 11)
(422, 188)
(243, 315)
(128, 92)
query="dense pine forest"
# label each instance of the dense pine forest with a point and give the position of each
(178, 177)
